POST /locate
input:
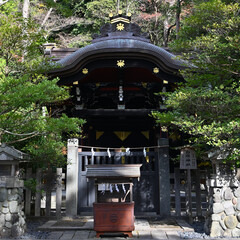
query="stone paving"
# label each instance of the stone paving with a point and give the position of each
(90, 234)
(143, 230)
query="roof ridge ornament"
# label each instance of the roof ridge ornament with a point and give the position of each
(120, 26)
(120, 17)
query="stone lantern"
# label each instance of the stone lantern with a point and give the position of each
(223, 215)
(12, 218)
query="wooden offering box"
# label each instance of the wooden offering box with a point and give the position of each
(114, 206)
(113, 217)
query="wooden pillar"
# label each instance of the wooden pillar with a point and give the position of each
(177, 192)
(48, 191)
(28, 194)
(164, 177)
(189, 196)
(72, 178)
(38, 192)
(59, 193)
(198, 193)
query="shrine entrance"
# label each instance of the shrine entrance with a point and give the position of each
(113, 83)
(145, 193)
(119, 132)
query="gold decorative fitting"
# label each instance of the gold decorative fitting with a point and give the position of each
(156, 70)
(110, 15)
(129, 14)
(120, 63)
(164, 129)
(120, 26)
(75, 83)
(120, 19)
(85, 71)
(165, 82)
(120, 12)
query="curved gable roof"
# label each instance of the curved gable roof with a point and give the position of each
(120, 46)
(130, 41)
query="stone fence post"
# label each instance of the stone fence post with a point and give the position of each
(223, 216)
(12, 218)
(72, 178)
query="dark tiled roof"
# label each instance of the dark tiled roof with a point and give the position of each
(122, 45)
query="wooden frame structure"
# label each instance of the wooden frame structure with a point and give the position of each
(113, 82)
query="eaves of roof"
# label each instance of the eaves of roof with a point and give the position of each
(114, 46)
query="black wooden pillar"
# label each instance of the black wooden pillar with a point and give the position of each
(164, 177)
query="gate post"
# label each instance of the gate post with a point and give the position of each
(72, 177)
(164, 177)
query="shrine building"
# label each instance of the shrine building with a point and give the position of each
(113, 83)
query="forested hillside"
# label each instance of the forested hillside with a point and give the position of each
(71, 23)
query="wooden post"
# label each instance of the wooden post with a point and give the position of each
(38, 192)
(59, 193)
(189, 196)
(48, 191)
(164, 177)
(198, 194)
(28, 194)
(177, 191)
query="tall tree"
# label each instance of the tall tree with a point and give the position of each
(25, 90)
(207, 105)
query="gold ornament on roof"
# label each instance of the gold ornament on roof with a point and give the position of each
(164, 129)
(156, 70)
(120, 63)
(85, 71)
(129, 14)
(110, 15)
(120, 12)
(120, 26)
(165, 82)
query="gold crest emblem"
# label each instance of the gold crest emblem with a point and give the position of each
(156, 70)
(85, 71)
(120, 26)
(120, 63)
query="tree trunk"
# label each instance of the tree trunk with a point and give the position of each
(165, 32)
(25, 11)
(178, 13)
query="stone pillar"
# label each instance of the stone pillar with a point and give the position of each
(164, 177)
(72, 178)
(12, 218)
(223, 215)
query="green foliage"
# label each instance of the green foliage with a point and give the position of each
(207, 105)
(9, 7)
(25, 91)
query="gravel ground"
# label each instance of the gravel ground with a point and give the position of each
(32, 232)
(198, 232)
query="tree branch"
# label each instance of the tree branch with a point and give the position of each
(168, 31)
(23, 139)
(18, 134)
(3, 2)
(46, 17)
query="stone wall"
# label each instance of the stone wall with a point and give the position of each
(223, 217)
(12, 218)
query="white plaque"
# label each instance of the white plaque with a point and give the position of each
(188, 159)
